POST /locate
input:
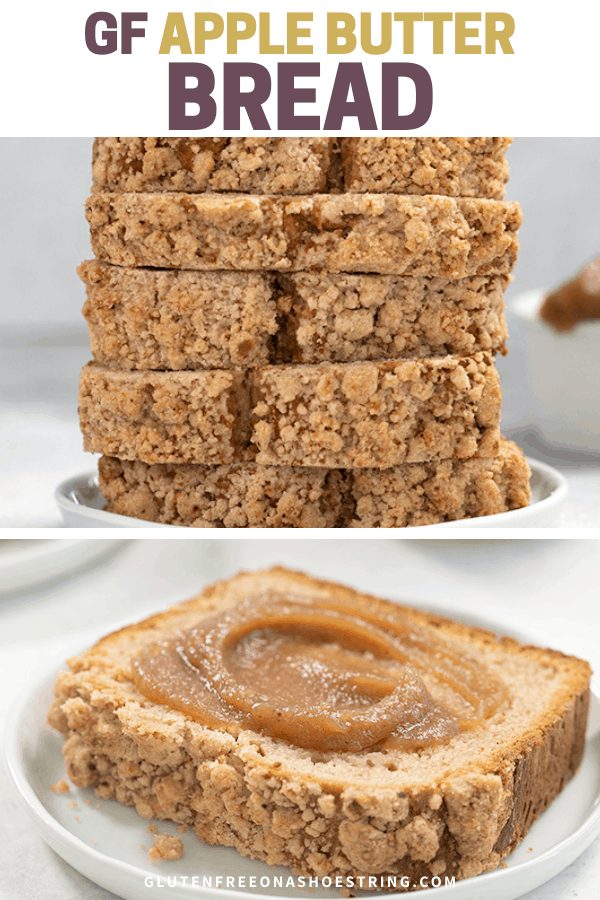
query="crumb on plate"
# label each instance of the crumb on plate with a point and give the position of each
(60, 787)
(166, 847)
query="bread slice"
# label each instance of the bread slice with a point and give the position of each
(180, 319)
(382, 233)
(456, 808)
(456, 167)
(338, 415)
(377, 414)
(165, 417)
(349, 317)
(248, 495)
(240, 495)
(431, 492)
(171, 319)
(249, 164)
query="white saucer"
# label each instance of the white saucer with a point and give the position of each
(27, 563)
(109, 843)
(82, 505)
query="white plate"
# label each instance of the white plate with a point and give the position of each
(27, 563)
(108, 842)
(82, 505)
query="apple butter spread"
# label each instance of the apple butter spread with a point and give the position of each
(576, 301)
(326, 674)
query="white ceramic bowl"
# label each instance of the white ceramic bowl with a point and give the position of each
(565, 375)
(82, 506)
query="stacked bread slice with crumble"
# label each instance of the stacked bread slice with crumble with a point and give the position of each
(315, 314)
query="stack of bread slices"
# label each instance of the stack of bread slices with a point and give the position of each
(299, 332)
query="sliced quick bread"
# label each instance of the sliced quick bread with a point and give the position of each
(454, 808)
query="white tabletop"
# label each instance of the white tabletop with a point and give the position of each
(548, 589)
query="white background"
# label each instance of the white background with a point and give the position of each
(52, 85)
(546, 588)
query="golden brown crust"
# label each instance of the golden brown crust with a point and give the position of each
(230, 590)
(558, 756)
(330, 306)
(366, 814)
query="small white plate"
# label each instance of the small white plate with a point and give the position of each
(82, 505)
(29, 563)
(109, 843)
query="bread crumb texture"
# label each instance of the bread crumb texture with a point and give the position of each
(367, 414)
(60, 787)
(467, 167)
(394, 234)
(178, 319)
(377, 414)
(162, 416)
(254, 496)
(166, 848)
(455, 809)
(299, 332)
